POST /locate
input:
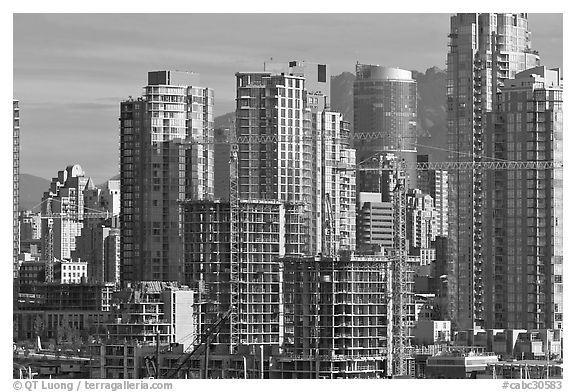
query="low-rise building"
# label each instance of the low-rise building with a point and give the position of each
(31, 269)
(70, 272)
(58, 325)
(460, 364)
(515, 343)
(59, 296)
(428, 332)
(154, 311)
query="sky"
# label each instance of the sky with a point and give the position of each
(70, 71)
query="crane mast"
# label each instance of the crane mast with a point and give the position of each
(48, 246)
(234, 247)
(399, 271)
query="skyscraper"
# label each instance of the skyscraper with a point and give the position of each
(524, 258)
(484, 50)
(291, 149)
(270, 105)
(166, 157)
(385, 101)
(16, 185)
(66, 199)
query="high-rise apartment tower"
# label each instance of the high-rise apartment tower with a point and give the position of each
(524, 259)
(166, 157)
(484, 51)
(291, 149)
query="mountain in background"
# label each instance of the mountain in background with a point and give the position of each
(342, 99)
(222, 126)
(431, 113)
(33, 187)
(105, 183)
(431, 120)
(31, 190)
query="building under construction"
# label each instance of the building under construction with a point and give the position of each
(152, 311)
(207, 259)
(338, 317)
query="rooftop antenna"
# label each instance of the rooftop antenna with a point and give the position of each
(271, 59)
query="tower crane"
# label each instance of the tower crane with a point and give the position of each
(375, 163)
(398, 332)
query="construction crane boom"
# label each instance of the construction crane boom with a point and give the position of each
(203, 339)
(232, 139)
(462, 166)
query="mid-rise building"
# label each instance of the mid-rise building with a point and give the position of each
(375, 225)
(385, 101)
(166, 156)
(99, 247)
(523, 227)
(484, 50)
(149, 311)
(421, 216)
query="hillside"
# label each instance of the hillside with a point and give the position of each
(31, 190)
(342, 99)
(431, 112)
